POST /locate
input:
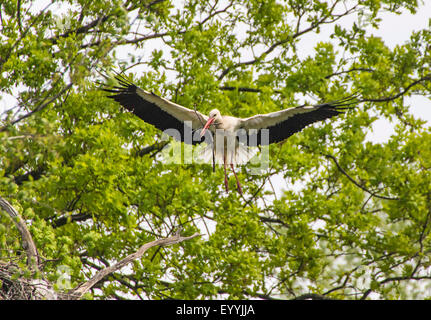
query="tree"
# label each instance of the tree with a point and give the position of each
(92, 185)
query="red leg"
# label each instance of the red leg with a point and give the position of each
(225, 175)
(238, 185)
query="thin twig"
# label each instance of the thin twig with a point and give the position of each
(23, 34)
(329, 156)
(322, 20)
(38, 108)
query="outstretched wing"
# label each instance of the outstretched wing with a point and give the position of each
(282, 124)
(177, 121)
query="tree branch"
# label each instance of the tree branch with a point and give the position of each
(213, 14)
(348, 71)
(256, 90)
(27, 240)
(74, 217)
(314, 25)
(18, 15)
(100, 20)
(6, 56)
(35, 174)
(404, 91)
(83, 29)
(79, 291)
(312, 296)
(328, 156)
(41, 106)
(131, 41)
(245, 89)
(157, 147)
(392, 279)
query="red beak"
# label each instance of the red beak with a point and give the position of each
(206, 126)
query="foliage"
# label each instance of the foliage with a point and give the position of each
(80, 172)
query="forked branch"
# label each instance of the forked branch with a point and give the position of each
(79, 291)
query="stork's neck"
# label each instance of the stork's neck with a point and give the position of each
(228, 123)
(218, 124)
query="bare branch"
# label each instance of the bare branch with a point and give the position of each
(79, 291)
(27, 240)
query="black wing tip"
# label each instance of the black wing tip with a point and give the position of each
(124, 86)
(342, 104)
(130, 89)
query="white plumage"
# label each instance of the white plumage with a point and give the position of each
(232, 138)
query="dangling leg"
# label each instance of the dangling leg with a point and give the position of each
(225, 174)
(238, 185)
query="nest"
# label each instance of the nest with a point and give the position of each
(14, 286)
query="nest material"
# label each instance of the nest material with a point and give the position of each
(13, 286)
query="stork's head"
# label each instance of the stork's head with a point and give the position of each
(215, 114)
(213, 117)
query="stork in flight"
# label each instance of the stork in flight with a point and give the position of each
(231, 137)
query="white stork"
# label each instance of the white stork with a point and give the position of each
(191, 127)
